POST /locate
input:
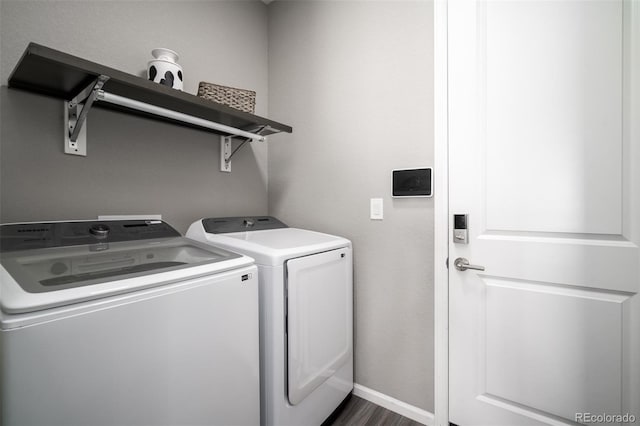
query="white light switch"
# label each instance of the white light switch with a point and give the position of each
(376, 209)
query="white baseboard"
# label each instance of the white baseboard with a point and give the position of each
(395, 405)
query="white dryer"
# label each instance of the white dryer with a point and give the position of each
(306, 314)
(123, 323)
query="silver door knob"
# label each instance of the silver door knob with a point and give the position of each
(462, 264)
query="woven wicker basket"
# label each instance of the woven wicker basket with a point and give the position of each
(243, 100)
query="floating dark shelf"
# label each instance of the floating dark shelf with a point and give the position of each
(61, 75)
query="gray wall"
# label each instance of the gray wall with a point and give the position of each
(354, 79)
(134, 165)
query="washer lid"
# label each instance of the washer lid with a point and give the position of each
(275, 246)
(47, 277)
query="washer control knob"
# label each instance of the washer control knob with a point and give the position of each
(248, 223)
(100, 230)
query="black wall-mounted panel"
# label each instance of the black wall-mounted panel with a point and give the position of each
(412, 183)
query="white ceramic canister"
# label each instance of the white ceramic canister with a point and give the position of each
(164, 69)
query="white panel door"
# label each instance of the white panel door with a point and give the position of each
(544, 152)
(319, 319)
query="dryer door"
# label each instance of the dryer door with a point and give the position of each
(320, 319)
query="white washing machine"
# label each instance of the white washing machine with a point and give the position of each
(125, 323)
(306, 314)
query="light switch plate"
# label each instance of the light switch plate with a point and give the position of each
(376, 209)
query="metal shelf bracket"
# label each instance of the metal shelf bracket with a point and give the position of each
(75, 116)
(225, 148)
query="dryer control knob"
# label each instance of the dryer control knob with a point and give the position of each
(248, 223)
(99, 230)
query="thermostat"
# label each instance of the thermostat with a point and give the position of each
(412, 182)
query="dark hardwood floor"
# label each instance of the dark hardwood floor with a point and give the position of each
(356, 411)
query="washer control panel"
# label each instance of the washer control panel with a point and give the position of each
(29, 236)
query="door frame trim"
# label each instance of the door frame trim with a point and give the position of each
(441, 212)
